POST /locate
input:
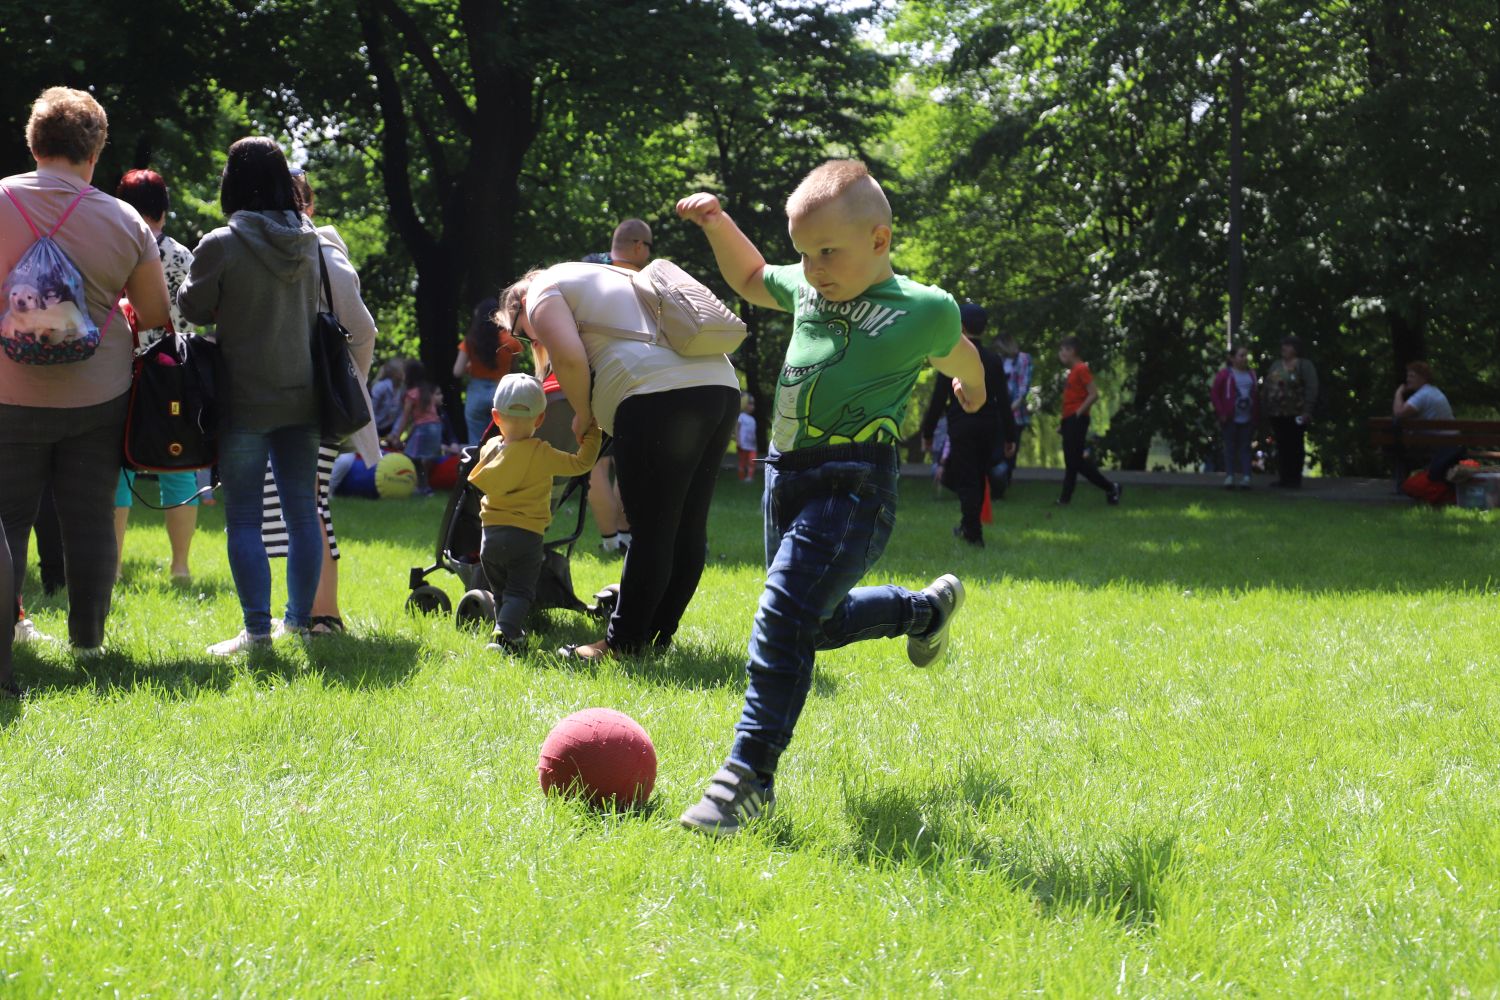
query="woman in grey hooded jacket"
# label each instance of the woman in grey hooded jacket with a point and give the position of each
(256, 280)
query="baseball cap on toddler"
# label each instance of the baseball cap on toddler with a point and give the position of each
(520, 396)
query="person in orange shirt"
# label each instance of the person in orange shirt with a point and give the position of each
(486, 355)
(1079, 397)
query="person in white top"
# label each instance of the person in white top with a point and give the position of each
(1416, 399)
(670, 417)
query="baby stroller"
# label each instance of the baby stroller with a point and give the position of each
(460, 533)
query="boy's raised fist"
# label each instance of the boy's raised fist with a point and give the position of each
(701, 208)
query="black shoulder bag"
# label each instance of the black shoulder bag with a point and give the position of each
(341, 401)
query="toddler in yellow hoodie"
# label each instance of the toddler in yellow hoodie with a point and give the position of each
(515, 473)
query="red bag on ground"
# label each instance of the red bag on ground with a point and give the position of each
(1420, 486)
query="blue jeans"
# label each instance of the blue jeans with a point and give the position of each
(293, 452)
(1237, 448)
(478, 405)
(826, 524)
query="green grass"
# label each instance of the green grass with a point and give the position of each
(1203, 744)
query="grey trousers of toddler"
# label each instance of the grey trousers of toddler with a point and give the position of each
(512, 561)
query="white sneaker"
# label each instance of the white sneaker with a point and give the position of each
(238, 644)
(1229, 482)
(1244, 482)
(26, 631)
(87, 652)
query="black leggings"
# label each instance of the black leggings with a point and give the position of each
(77, 452)
(1075, 435)
(668, 447)
(1291, 449)
(971, 451)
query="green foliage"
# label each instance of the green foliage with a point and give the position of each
(1073, 162)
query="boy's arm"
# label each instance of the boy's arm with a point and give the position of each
(563, 464)
(962, 364)
(739, 261)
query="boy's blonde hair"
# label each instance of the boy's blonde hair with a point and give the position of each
(848, 181)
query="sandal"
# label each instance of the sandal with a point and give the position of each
(588, 652)
(326, 625)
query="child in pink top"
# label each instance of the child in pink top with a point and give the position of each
(424, 428)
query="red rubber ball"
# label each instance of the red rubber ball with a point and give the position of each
(600, 754)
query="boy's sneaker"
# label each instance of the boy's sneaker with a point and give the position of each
(1113, 496)
(734, 797)
(1244, 482)
(26, 631)
(502, 643)
(239, 644)
(947, 595)
(1229, 481)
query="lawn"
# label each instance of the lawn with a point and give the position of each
(1201, 744)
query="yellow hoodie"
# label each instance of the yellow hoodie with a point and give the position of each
(517, 479)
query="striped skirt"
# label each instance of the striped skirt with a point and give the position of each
(273, 528)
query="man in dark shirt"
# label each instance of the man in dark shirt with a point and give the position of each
(976, 441)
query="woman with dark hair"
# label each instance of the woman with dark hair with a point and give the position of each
(486, 356)
(61, 424)
(1291, 389)
(147, 193)
(257, 280)
(355, 318)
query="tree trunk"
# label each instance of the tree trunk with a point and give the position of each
(1236, 177)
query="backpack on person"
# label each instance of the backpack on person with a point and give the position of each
(46, 319)
(686, 316)
(173, 418)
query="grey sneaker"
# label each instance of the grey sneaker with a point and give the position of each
(514, 645)
(947, 595)
(734, 797)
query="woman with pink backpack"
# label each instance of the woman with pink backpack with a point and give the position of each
(67, 250)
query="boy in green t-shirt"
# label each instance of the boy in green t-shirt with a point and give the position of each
(860, 335)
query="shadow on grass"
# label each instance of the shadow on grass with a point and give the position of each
(151, 575)
(352, 662)
(943, 827)
(1174, 537)
(684, 666)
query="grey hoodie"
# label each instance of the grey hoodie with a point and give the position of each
(256, 279)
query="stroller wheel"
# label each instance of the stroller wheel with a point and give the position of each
(428, 600)
(476, 609)
(605, 601)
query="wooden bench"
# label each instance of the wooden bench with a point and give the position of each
(1480, 437)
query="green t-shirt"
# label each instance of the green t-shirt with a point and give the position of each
(850, 367)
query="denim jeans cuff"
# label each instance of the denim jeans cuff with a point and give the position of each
(921, 614)
(757, 755)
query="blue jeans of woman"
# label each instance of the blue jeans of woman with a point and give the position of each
(477, 406)
(1237, 448)
(826, 523)
(293, 452)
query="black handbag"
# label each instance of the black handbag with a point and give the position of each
(341, 400)
(172, 424)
